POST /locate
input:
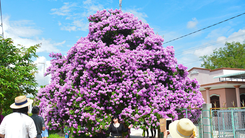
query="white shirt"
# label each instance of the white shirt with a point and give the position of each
(18, 125)
(116, 125)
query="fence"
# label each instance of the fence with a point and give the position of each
(197, 120)
(228, 122)
(217, 122)
(202, 121)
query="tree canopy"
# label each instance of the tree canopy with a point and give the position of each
(119, 68)
(230, 56)
(17, 72)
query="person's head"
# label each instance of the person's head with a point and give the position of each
(23, 110)
(35, 110)
(21, 104)
(115, 119)
(182, 128)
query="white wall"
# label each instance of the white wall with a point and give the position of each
(205, 76)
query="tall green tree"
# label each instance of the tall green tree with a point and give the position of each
(17, 71)
(230, 56)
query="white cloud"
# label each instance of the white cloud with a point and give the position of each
(81, 25)
(42, 65)
(141, 16)
(221, 39)
(191, 56)
(193, 23)
(204, 51)
(76, 25)
(90, 7)
(20, 28)
(110, 1)
(69, 28)
(64, 10)
(95, 7)
(71, 11)
(208, 47)
(22, 33)
(79, 19)
(189, 61)
(90, 10)
(235, 37)
(167, 36)
(87, 2)
(203, 3)
(46, 45)
(61, 43)
(218, 32)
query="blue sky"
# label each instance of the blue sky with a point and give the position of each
(58, 24)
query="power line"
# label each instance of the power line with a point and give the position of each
(198, 60)
(120, 4)
(205, 27)
(196, 47)
(203, 46)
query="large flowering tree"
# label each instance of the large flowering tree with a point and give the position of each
(120, 68)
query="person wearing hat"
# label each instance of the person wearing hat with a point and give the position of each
(38, 120)
(18, 124)
(183, 128)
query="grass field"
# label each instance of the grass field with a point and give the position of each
(55, 136)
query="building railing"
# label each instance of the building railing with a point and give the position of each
(232, 79)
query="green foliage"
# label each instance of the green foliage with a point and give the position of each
(6, 112)
(16, 72)
(230, 56)
(53, 132)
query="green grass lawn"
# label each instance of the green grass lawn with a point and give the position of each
(55, 136)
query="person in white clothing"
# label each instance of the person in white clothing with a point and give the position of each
(18, 124)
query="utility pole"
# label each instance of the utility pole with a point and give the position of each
(2, 34)
(120, 4)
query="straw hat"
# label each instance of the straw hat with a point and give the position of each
(20, 102)
(183, 128)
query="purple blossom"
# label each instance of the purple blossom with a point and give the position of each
(121, 66)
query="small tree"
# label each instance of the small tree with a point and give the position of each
(16, 72)
(119, 68)
(230, 56)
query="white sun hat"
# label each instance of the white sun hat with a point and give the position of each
(183, 128)
(20, 102)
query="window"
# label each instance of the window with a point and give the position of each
(242, 99)
(215, 101)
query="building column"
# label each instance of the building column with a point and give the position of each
(238, 101)
(205, 120)
(207, 94)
